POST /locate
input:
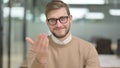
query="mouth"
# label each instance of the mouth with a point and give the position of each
(59, 29)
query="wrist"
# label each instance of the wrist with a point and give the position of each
(42, 60)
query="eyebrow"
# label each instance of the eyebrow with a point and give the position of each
(58, 17)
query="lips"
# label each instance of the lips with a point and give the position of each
(59, 29)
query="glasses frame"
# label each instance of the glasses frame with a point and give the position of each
(56, 19)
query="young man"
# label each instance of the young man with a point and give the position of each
(61, 49)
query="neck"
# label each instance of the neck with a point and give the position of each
(62, 41)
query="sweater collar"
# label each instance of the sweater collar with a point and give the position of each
(67, 40)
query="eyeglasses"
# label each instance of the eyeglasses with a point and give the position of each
(62, 20)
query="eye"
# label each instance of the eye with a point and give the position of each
(52, 20)
(64, 18)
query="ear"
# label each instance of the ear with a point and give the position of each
(46, 21)
(70, 18)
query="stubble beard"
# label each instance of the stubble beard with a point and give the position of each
(61, 36)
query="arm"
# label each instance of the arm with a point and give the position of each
(92, 60)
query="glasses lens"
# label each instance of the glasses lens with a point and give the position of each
(63, 19)
(52, 21)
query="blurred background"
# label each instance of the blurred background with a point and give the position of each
(97, 21)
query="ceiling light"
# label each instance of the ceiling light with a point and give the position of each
(15, 12)
(78, 12)
(84, 1)
(5, 1)
(94, 15)
(114, 12)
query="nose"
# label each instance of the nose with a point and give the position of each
(58, 24)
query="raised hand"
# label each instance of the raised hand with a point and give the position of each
(40, 47)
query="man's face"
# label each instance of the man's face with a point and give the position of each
(63, 21)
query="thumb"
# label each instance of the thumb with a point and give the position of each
(29, 40)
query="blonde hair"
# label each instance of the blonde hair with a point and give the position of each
(53, 5)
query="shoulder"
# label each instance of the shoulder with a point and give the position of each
(83, 44)
(85, 47)
(82, 41)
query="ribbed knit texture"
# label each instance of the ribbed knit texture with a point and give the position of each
(76, 54)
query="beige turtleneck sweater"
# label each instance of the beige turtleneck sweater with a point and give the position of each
(75, 54)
